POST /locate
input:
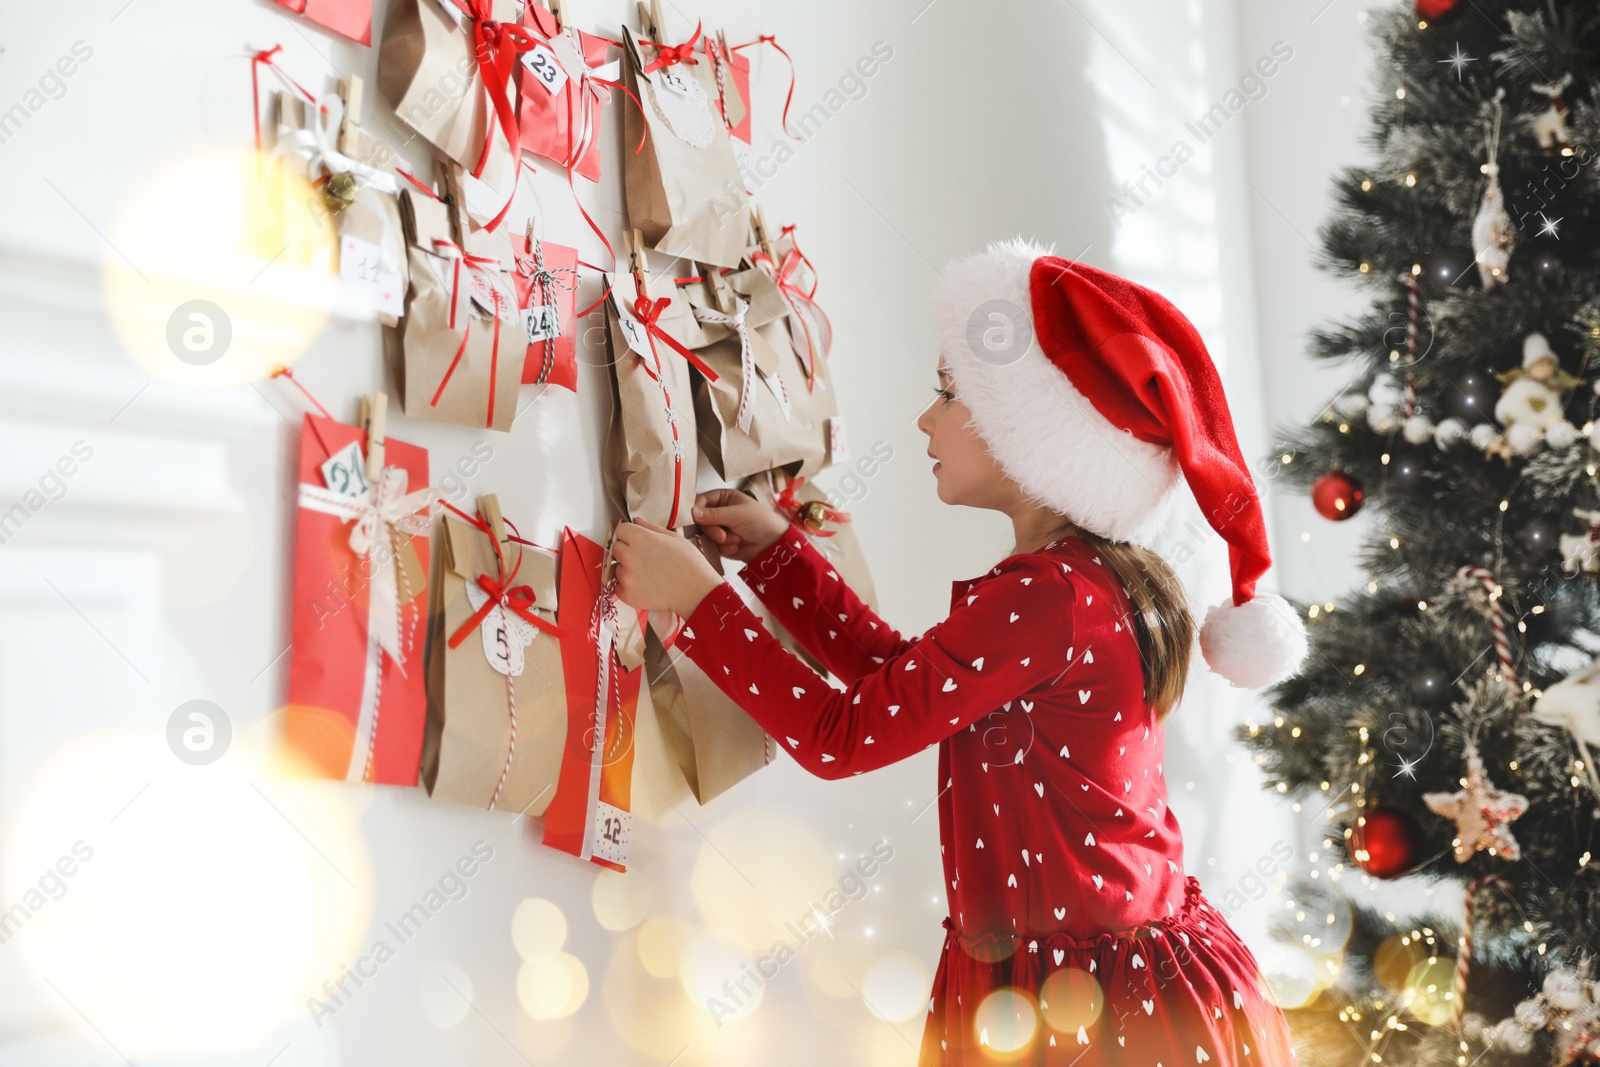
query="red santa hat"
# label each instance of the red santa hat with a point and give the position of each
(1094, 394)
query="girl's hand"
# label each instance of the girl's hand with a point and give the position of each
(659, 570)
(739, 525)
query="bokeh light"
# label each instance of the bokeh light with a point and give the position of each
(1071, 997)
(896, 987)
(219, 266)
(215, 902)
(1006, 1021)
(538, 929)
(552, 987)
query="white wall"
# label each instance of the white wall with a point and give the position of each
(219, 899)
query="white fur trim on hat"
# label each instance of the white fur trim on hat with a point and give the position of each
(1254, 644)
(1041, 430)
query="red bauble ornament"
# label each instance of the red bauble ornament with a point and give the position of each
(1337, 496)
(1435, 9)
(1385, 842)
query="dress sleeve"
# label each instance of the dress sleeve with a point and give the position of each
(1008, 635)
(807, 596)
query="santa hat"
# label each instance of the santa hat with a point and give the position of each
(1094, 394)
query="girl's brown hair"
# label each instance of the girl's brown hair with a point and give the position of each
(1162, 621)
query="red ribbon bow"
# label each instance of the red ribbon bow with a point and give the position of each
(518, 599)
(669, 54)
(648, 312)
(497, 45)
(788, 503)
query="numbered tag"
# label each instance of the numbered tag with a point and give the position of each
(613, 832)
(371, 277)
(545, 68)
(838, 445)
(543, 322)
(345, 472)
(674, 82)
(632, 330)
(505, 634)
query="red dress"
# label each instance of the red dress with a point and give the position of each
(1063, 864)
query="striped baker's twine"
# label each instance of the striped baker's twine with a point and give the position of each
(1464, 944)
(1412, 301)
(1502, 644)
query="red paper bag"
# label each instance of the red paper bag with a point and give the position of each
(347, 18)
(357, 703)
(560, 105)
(589, 815)
(547, 294)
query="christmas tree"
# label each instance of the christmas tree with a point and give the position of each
(1439, 729)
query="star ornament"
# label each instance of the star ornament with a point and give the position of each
(1483, 814)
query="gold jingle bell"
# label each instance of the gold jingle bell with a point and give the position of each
(341, 190)
(814, 513)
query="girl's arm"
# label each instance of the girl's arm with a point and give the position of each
(1008, 636)
(809, 599)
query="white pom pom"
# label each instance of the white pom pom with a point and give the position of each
(1418, 429)
(1522, 437)
(1351, 404)
(1385, 390)
(1483, 435)
(1254, 644)
(1449, 431)
(1383, 417)
(1561, 435)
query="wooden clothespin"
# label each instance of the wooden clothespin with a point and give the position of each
(638, 265)
(650, 20)
(350, 92)
(561, 16)
(489, 508)
(374, 416)
(758, 223)
(722, 43)
(718, 291)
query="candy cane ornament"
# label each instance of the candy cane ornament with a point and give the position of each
(1502, 644)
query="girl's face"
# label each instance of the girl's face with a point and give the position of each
(964, 470)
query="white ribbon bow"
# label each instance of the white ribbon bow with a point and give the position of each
(747, 359)
(318, 142)
(382, 511)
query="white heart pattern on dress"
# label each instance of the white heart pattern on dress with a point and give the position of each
(1038, 787)
(1083, 696)
(749, 634)
(798, 692)
(949, 684)
(1099, 882)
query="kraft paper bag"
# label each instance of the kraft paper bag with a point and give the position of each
(716, 743)
(458, 361)
(428, 71)
(365, 213)
(652, 448)
(810, 339)
(684, 191)
(497, 700)
(753, 417)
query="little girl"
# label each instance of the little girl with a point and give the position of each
(1074, 934)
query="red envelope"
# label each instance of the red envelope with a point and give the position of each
(546, 129)
(554, 360)
(347, 18)
(354, 711)
(597, 760)
(739, 64)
